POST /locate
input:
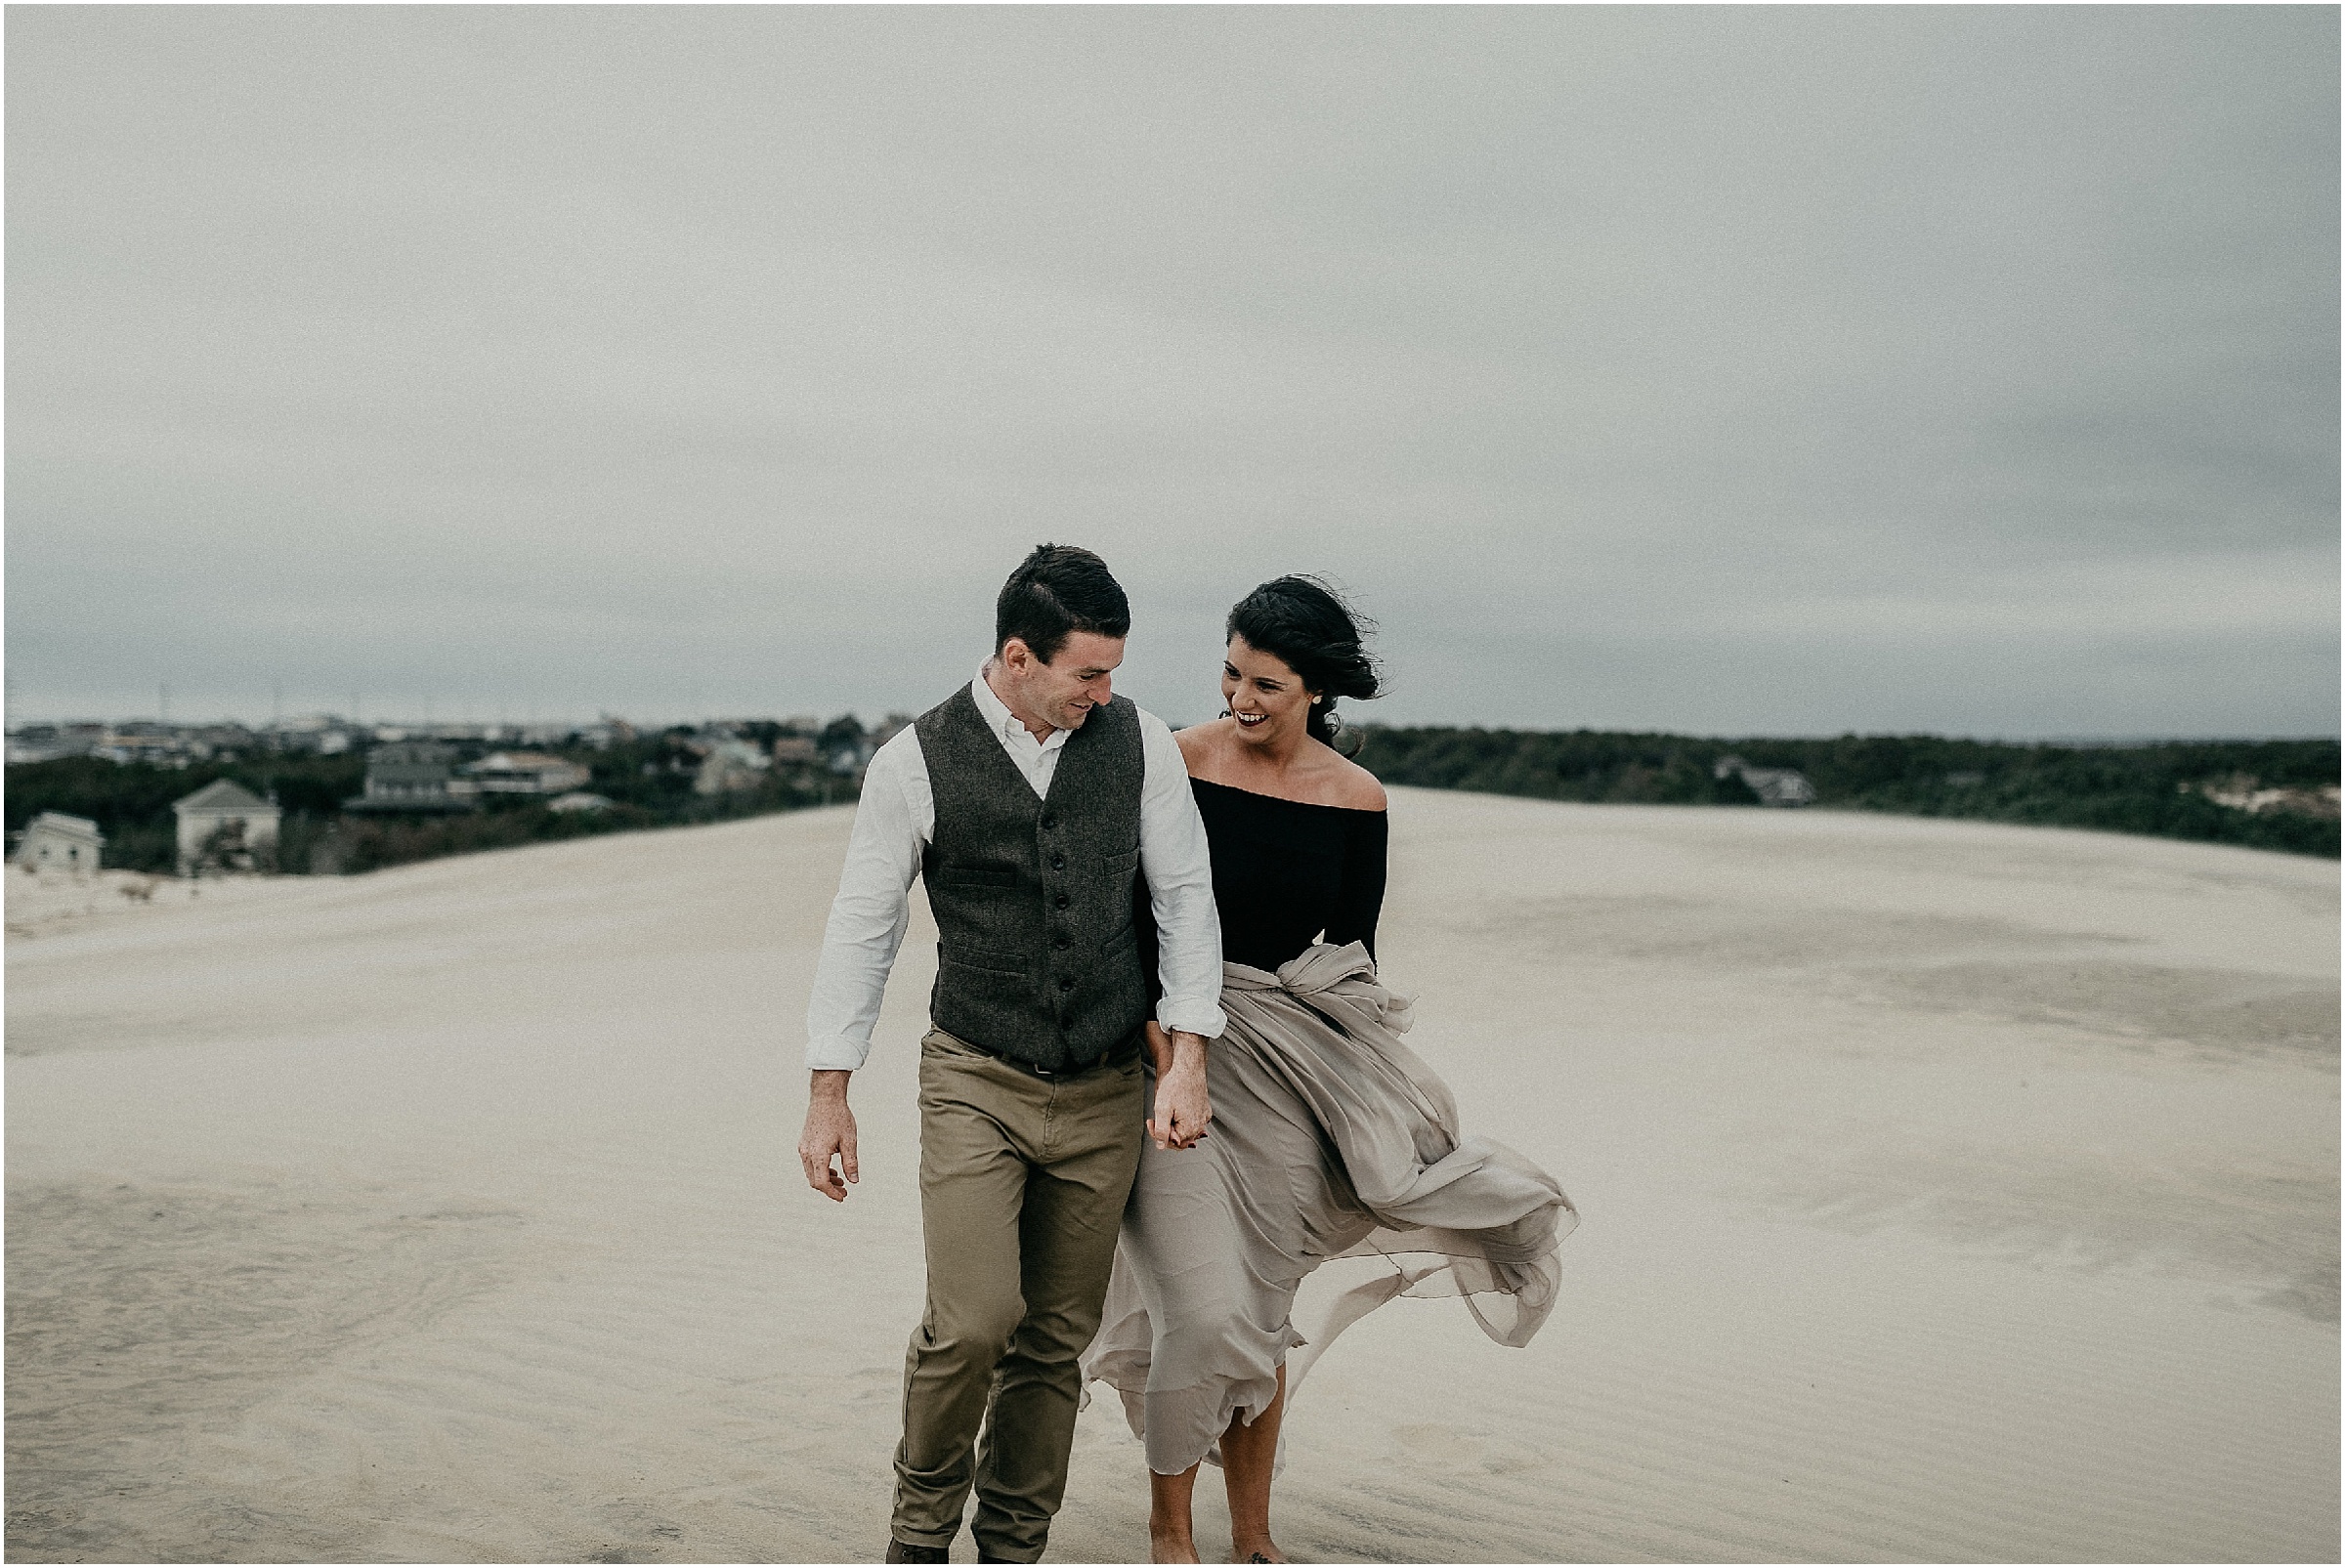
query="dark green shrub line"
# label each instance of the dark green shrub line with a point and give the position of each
(2153, 790)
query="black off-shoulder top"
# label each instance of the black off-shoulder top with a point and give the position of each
(1286, 874)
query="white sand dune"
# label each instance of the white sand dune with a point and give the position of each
(1951, 1191)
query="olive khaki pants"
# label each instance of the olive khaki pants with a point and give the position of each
(1023, 1182)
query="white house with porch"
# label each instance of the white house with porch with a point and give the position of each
(224, 806)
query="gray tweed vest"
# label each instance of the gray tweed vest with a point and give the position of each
(1035, 953)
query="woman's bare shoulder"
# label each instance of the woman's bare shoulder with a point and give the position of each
(1199, 744)
(1354, 786)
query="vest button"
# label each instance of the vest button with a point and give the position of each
(1050, 821)
(1062, 901)
(1058, 863)
(1067, 983)
(1062, 944)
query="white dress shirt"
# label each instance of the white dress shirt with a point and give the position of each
(895, 821)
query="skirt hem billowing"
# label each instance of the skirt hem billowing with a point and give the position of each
(1332, 1141)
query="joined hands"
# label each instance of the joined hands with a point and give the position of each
(1182, 1110)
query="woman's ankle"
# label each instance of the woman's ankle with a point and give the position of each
(1169, 1544)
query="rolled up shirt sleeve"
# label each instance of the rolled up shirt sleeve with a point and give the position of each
(1180, 871)
(868, 918)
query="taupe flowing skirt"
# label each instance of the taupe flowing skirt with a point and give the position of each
(1330, 1139)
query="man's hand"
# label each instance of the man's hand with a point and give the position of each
(1182, 1112)
(830, 1130)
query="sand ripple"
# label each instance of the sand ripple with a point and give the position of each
(1950, 1192)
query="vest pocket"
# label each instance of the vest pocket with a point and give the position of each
(984, 960)
(979, 875)
(1124, 864)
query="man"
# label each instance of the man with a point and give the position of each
(1027, 802)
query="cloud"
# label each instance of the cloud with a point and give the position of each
(652, 358)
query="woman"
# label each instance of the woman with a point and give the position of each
(1329, 1137)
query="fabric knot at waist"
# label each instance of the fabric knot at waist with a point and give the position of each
(1339, 982)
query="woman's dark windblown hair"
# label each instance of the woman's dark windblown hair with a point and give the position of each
(1307, 623)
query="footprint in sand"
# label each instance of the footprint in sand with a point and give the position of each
(1435, 1443)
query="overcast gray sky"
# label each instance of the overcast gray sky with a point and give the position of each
(1718, 370)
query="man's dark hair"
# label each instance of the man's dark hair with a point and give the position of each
(1059, 589)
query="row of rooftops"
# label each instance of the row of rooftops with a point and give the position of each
(182, 744)
(424, 776)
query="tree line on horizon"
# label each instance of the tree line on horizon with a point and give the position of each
(2157, 788)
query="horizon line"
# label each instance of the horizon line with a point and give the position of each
(333, 720)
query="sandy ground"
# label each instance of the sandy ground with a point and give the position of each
(1951, 1191)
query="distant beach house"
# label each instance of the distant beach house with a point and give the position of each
(853, 756)
(796, 750)
(1775, 787)
(2241, 792)
(729, 765)
(141, 741)
(415, 776)
(579, 800)
(605, 733)
(227, 827)
(524, 773)
(54, 841)
(43, 743)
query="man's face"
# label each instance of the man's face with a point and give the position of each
(1062, 692)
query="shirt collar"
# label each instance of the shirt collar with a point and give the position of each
(1004, 723)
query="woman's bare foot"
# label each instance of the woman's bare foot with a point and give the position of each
(1260, 1549)
(1167, 1545)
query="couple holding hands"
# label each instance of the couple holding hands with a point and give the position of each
(1162, 1081)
